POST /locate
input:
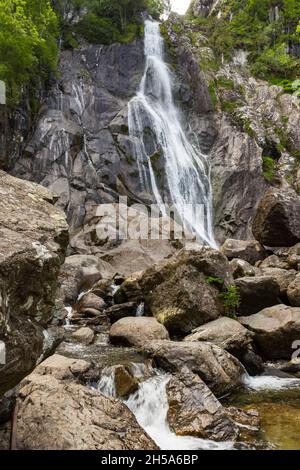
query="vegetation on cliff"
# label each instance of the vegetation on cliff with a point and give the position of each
(267, 29)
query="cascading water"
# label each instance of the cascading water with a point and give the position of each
(150, 407)
(186, 168)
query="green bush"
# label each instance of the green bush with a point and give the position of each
(269, 168)
(231, 301)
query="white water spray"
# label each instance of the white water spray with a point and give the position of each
(265, 383)
(150, 407)
(186, 168)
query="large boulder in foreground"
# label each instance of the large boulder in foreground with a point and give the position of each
(224, 332)
(134, 331)
(276, 328)
(63, 415)
(195, 411)
(250, 251)
(182, 292)
(220, 371)
(33, 240)
(277, 221)
(257, 293)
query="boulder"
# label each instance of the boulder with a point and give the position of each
(195, 411)
(124, 380)
(59, 415)
(79, 273)
(221, 372)
(276, 328)
(118, 311)
(241, 268)
(183, 292)
(224, 332)
(88, 301)
(283, 277)
(273, 261)
(62, 367)
(130, 290)
(293, 292)
(257, 293)
(84, 336)
(250, 251)
(277, 221)
(33, 240)
(134, 331)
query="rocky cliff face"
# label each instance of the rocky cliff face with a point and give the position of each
(33, 240)
(80, 148)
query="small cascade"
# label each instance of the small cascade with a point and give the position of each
(265, 382)
(187, 170)
(150, 407)
(140, 310)
(69, 316)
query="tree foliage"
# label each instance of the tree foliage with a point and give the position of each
(28, 49)
(267, 29)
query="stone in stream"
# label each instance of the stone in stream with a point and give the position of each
(293, 292)
(58, 414)
(250, 251)
(88, 301)
(118, 311)
(221, 372)
(135, 331)
(276, 328)
(84, 336)
(257, 293)
(277, 221)
(33, 240)
(195, 411)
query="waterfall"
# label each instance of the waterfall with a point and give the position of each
(186, 168)
(149, 404)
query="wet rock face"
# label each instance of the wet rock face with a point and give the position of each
(33, 240)
(277, 222)
(237, 182)
(195, 411)
(78, 149)
(59, 414)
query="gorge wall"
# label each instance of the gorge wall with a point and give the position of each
(79, 147)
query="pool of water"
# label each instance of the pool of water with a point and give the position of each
(278, 403)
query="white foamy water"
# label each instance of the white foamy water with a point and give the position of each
(186, 168)
(150, 407)
(260, 383)
(140, 309)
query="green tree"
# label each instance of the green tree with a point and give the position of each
(28, 50)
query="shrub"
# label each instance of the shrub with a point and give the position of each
(231, 300)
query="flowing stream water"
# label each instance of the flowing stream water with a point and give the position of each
(150, 406)
(186, 168)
